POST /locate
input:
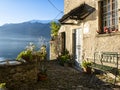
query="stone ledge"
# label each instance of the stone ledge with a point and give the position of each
(108, 34)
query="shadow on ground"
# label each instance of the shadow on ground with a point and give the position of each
(24, 77)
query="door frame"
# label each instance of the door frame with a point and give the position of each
(75, 41)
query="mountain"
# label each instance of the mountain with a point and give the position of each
(40, 21)
(43, 21)
(33, 28)
(15, 37)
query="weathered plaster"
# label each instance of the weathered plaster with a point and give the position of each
(92, 42)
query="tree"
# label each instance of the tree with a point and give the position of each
(54, 28)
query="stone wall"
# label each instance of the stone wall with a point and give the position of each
(18, 74)
(92, 41)
(71, 4)
(108, 42)
(88, 47)
(53, 55)
(55, 48)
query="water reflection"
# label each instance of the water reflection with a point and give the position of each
(11, 47)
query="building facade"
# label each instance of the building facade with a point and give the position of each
(90, 26)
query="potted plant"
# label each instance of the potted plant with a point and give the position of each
(71, 61)
(42, 74)
(86, 66)
(106, 30)
(64, 58)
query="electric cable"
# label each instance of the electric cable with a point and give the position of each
(55, 6)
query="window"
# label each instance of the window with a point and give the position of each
(63, 42)
(109, 16)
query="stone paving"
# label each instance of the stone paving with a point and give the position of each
(59, 78)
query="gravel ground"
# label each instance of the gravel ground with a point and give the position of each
(59, 78)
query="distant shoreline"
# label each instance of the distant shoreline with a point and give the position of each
(5, 59)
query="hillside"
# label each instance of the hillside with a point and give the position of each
(33, 29)
(15, 37)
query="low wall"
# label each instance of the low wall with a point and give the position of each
(18, 74)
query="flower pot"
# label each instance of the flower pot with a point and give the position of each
(42, 77)
(87, 70)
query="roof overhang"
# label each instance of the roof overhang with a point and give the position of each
(78, 13)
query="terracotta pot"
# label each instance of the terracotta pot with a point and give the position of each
(42, 77)
(87, 70)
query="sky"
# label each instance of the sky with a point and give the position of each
(17, 11)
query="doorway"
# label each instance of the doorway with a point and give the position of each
(78, 47)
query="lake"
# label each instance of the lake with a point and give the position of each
(10, 47)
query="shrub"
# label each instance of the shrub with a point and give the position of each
(2, 85)
(86, 64)
(64, 58)
(26, 55)
(30, 54)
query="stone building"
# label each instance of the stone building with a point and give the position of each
(90, 26)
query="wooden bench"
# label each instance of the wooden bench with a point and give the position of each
(107, 62)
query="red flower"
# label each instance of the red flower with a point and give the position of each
(105, 29)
